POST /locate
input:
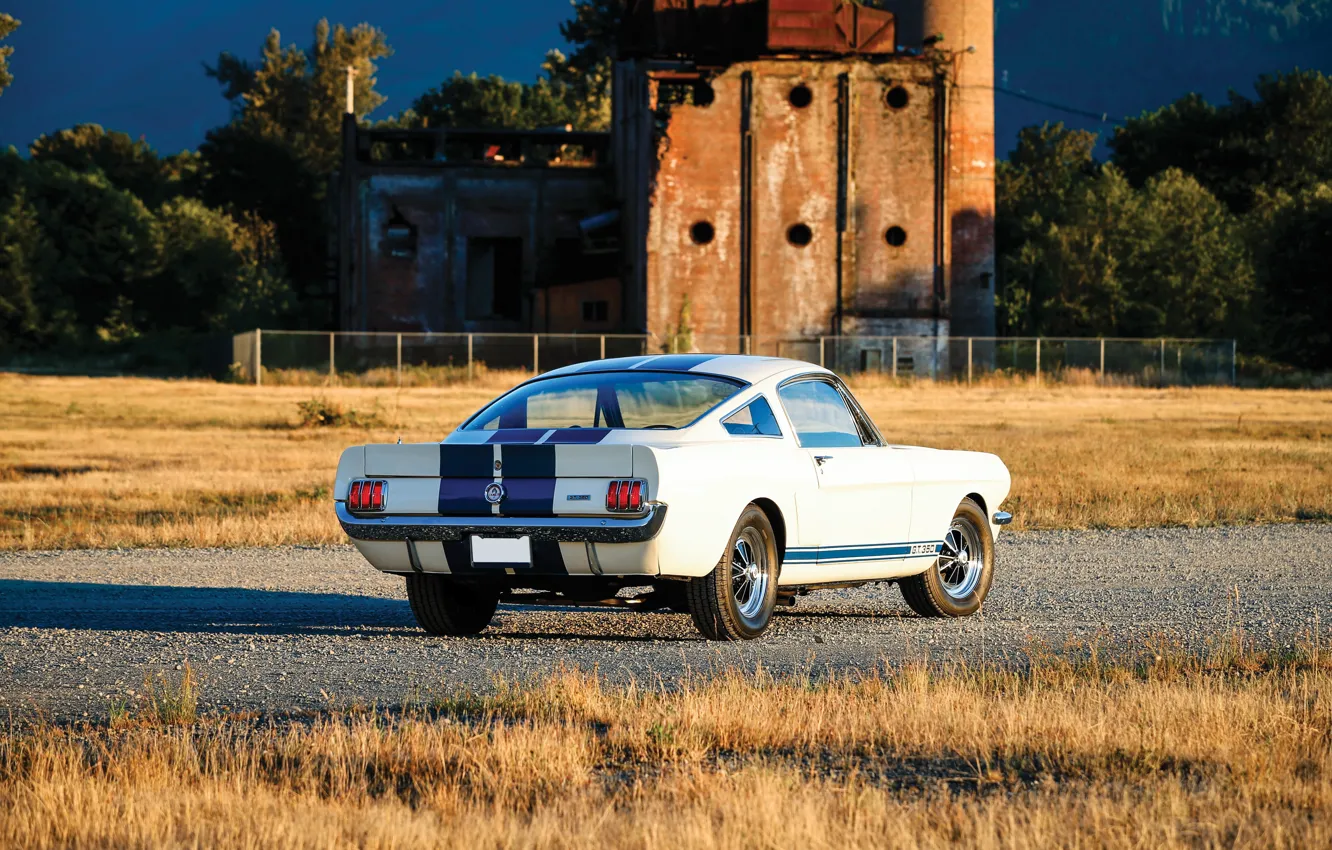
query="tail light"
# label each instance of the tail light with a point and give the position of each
(367, 495)
(626, 495)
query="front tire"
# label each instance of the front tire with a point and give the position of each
(736, 600)
(443, 605)
(959, 580)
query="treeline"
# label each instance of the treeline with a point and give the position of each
(1206, 220)
(104, 241)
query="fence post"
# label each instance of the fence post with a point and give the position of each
(258, 357)
(1162, 378)
(536, 362)
(821, 351)
(1038, 361)
(1234, 357)
(469, 357)
(332, 368)
(602, 351)
(1102, 358)
(399, 359)
(969, 339)
(894, 358)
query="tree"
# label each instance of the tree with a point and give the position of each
(130, 164)
(215, 273)
(297, 97)
(1282, 140)
(102, 250)
(493, 102)
(25, 254)
(1294, 252)
(1082, 252)
(8, 23)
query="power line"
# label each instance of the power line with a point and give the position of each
(1102, 117)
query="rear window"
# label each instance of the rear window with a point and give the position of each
(636, 400)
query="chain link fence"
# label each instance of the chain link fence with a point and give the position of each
(429, 358)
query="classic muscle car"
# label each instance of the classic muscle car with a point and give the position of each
(727, 485)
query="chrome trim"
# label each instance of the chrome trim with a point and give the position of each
(1002, 518)
(564, 529)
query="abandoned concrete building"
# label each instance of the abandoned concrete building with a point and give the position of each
(792, 168)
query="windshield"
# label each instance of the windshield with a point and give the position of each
(666, 400)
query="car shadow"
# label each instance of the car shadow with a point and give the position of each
(111, 607)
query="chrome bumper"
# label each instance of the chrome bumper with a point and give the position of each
(566, 529)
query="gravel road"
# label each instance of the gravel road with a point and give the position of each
(300, 628)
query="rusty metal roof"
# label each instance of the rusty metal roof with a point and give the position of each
(724, 30)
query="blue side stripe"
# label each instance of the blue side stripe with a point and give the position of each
(850, 554)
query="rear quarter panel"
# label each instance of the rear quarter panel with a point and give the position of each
(708, 485)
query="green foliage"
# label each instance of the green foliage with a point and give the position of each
(297, 97)
(8, 23)
(24, 255)
(1281, 141)
(83, 260)
(1082, 252)
(493, 102)
(575, 90)
(216, 273)
(274, 158)
(1294, 251)
(127, 163)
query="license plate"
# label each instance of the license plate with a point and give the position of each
(501, 552)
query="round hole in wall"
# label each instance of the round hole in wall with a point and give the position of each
(895, 236)
(799, 235)
(703, 94)
(702, 232)
(897, 97)
(801, 96)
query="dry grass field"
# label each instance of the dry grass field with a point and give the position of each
(1229, 749)
(112, 462)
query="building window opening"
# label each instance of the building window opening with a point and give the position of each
(596, 311)
(702, 232)
(801, 96)
(895, 236)
(897, 97)
(799, 235)
(400, 236)
(495, 278)
(703, 93)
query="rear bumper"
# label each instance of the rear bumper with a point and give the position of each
(554, 529)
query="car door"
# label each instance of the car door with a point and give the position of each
(860, 513)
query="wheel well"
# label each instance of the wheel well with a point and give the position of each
(980, 500)
(774, 514)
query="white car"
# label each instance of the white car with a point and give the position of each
(727, 484)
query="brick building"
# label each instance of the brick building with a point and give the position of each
(792, 168)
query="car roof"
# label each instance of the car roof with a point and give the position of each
(748, 368)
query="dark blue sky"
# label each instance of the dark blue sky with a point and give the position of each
(137, 66)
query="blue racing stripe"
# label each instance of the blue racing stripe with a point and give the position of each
(528, 497)
(517, 435)
(577, 436)
(613, 364)
(528, 461)
(678, 362)
(464, 496)
(464, 461)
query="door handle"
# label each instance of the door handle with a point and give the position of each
(822, 459)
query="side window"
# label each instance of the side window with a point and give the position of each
(753, 420)
(819, 415)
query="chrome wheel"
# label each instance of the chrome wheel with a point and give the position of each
(962, 559)
(750, 572)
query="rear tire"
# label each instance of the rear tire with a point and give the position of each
(443, 605)
(736, 600)
(959, 580)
